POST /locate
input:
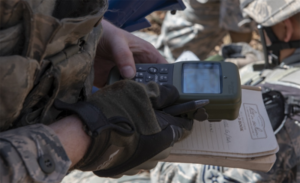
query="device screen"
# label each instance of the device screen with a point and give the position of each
(201, 78)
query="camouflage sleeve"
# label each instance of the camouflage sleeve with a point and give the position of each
(32, 154)
(231, 17)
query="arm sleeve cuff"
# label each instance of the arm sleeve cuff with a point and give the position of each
(29, 144)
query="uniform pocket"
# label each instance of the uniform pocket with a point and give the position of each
(17, 78)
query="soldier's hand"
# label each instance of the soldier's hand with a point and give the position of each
(120, 48)
(132, 130)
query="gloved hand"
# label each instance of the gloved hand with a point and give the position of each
(128, 126)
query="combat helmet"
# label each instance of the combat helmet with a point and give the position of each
(268, 13)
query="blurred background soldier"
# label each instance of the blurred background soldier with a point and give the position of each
(202, 26)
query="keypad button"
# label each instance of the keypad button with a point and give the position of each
(163, 78)
(139, 80)
(163, 70)
(139, 75)
(149, 78)
(152, 70)
(141, 69)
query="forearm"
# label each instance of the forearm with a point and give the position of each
(72, 136)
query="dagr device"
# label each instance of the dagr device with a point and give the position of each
(195, 80)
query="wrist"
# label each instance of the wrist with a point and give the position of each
(72, 136)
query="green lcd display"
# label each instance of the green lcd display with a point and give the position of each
(201, 78)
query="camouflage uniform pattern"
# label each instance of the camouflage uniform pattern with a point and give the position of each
(20, 149)
(200, 27)
(268, 12)
(88, 177)
(42, 58)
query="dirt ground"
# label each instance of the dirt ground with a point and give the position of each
(156, 19)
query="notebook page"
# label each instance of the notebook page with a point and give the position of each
(250, 133)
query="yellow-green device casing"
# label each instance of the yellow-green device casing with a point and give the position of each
(224, 105)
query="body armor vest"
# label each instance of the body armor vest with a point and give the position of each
(43, 58)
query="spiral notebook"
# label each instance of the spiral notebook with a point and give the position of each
(247, 142)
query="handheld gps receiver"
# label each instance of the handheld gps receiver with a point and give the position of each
(195, 80)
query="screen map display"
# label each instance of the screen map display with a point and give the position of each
(201, 78)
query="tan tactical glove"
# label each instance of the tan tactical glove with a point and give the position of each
(128, 126)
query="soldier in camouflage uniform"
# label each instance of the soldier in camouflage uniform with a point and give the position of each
(283, 16)
(50, 123)
(202, 26)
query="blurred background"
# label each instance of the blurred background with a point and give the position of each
(156, 20)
